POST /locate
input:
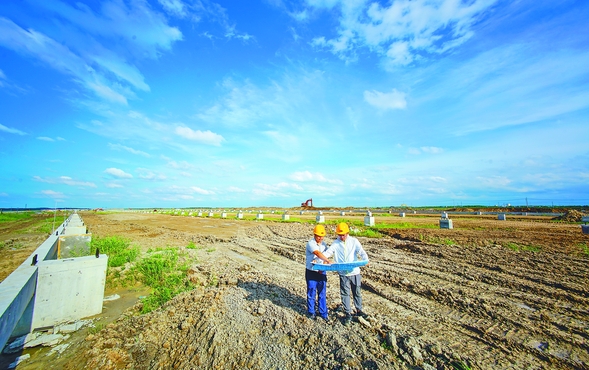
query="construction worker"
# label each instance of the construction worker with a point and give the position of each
(316, 280)
(348, 249)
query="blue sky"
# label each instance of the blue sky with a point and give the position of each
(178, 103)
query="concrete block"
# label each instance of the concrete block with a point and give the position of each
(501, 217)
(585, 229)
(260, 216)
(223, 215)
(210, 214)
(302, 212)
(69, 289)
(368, 221)
(285, 217)
(74, 245)
(320, 219)
(74, 230)
(342, 213)
(402, 214)
(446, 223)
(240, 214)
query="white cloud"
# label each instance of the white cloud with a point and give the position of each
(432, 149)
(57, 56)
(113, 185)
(44, 138)
(128, 149)
(203, 137)
(64, 180)
(146, 174)
(53, 194)
(175, 7)
(307, 176)
(118, 173)
(393, 100)
(11, 130)
(235, 189)
(201, 191)
(425, 149)
(402, 30)
(494, 181)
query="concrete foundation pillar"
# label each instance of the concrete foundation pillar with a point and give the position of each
(501, 217)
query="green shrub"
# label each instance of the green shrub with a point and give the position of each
(118, 249)
(162, 272)
(368, 233)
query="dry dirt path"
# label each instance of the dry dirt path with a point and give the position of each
(430, 305)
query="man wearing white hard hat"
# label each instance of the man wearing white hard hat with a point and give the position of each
(346, 248)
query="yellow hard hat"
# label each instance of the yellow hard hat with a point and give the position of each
(319, 230)
(342, 228)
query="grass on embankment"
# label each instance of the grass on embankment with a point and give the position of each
(159, 269)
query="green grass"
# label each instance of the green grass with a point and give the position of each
(437, 240)
(368, 233)
(460, 365)
(15, 216)
(191, 245)
(517, 247)
(584, 248)
(96, 328)
(162, 271)
(118, 249)
(405, 225)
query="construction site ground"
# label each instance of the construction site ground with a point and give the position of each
(487, 294)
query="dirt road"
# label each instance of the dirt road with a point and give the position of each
(479, 303)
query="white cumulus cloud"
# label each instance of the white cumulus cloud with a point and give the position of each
(203, 137)
(118, 173)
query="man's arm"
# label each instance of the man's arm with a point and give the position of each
(322, 257)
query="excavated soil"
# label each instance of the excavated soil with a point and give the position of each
(488, 294)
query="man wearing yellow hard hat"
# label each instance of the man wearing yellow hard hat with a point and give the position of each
(317, 251)
(346, 248)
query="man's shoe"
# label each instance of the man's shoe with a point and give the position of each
(311, 316)
(348, 320)
(361, 314)
(326, 319)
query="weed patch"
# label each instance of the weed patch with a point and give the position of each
(162, 271)
(436, 240)
(584, 248)
(191, 245)
(517, 247)
(368, 233)
(118, 249)
(404, 225)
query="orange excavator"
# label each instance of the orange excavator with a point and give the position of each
(308, 204)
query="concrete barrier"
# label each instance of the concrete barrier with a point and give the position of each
(32, 295)
(69, 289)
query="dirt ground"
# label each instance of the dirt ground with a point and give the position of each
(487, 294)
